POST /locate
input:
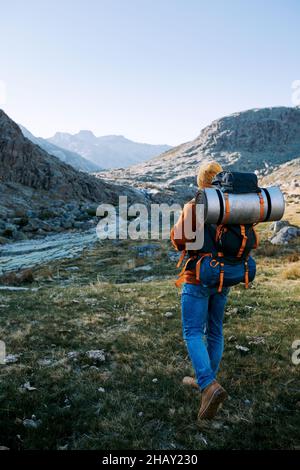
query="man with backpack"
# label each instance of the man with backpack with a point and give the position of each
(204, 289)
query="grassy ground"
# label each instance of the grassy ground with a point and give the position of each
(134, 398)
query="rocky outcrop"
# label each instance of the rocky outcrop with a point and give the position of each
(255, 140)
(40, 194)
(283, 232)
(285, 235)
(287, 176)
(25, 163)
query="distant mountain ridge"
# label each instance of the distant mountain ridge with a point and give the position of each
(252, 140)
(66, 156)
(110, 151)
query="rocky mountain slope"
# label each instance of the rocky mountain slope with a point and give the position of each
(40, 194)
(287, 176)
(253, 140)
(111, 151)
(66, 156)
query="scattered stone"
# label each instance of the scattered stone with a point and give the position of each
(32, 423)
(148, 279)
(140, 414)
(256, 340)
(155, 380)
(173, 256)
(73, 355)
(242, 349)
(9, 230)
(231, 338)
(91, 301)
(147, 267)
(44, 362)
(101, 390)
(231, 311)
(217, 425)
(28, 387)
(12, 358)
(201, 438)
(65, 447)
(96, 355)
(72, 268)
(150, 250)
(169, 314)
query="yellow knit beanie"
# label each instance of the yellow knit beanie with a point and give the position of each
(206, 173)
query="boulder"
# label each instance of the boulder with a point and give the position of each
(67, 223)
(278, 225)
(150, 250)
(9, 230)
(3, 240)
(19, 236)
(285, 235)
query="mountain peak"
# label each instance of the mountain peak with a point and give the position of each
(86, 135)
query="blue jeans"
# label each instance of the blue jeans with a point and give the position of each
(202, 317)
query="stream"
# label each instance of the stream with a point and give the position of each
(30, 253)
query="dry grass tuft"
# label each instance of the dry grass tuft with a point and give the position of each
(292, 272)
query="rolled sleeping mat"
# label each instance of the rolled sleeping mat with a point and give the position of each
(228, 208)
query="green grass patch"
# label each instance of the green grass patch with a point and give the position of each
(134, 398)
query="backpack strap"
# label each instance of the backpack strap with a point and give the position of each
(261, 207)
(219, 231)
(181, 258)
(256, 237)
(227, 208)
(244, 241)
(180, 279)
(246, 274)
(221, 277)
(198, 265)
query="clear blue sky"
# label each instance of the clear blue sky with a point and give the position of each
(153, 70)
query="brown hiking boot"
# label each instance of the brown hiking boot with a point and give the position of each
(191, 382)
(212, 397)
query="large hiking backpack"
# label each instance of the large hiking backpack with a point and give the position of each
(236, 241)
(231, 262)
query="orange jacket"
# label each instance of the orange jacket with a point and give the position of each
(189, 210)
